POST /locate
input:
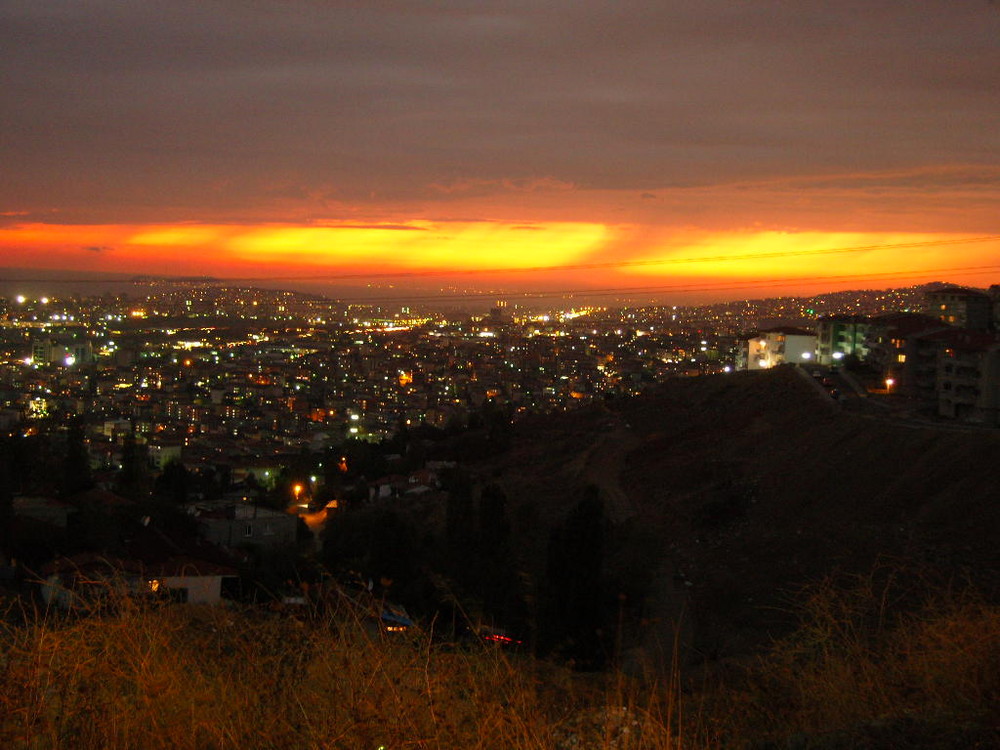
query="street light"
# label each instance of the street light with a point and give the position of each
(889, 383)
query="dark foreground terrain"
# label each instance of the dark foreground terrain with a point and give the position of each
(773, 573)
(725, 496)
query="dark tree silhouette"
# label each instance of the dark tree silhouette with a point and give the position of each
(174, 483)
(575, 600)
(76, 476)
(460, 526)
(133, 479)
(498, 580)
(6, 501)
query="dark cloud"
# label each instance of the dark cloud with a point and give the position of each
(207, 105)
(98, 248)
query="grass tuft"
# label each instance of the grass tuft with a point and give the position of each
(872, 664)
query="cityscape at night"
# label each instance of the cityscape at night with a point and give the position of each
(499, 375)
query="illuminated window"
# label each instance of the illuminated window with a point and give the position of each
(901, 358)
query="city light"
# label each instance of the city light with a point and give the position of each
(576, 323)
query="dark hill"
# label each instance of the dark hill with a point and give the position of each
(726, 495)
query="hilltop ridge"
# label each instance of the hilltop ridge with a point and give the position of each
(744, 488)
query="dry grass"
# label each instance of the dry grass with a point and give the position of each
(854, 675)
(180, 676)
(863, 670)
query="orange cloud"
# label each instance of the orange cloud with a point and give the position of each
(585, 254)
(814, 261)
(447, 247)
(213, 249)
(780, 254)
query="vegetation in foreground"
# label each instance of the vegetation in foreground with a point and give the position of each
(855, 674)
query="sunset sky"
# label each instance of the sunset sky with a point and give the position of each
(713, 147)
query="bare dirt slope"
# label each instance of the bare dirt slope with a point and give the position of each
(746, 487)
(760, 487)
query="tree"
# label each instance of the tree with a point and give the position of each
(460, 525)
(574, 568)
(174, 483)
(498, 582)
(133, 478)
(76, 475)
(381, 543)
(6, 501)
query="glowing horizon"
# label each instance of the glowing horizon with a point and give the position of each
(572, 255)
(513, 145)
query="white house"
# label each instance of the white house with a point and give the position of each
(87, 579)
(776, 346)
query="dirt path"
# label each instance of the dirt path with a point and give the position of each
(601, 464)
(666, 642)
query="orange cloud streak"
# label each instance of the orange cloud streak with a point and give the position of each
(242, 250)
(589, 254)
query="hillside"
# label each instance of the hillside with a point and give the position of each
(726, 495)
(833, 576)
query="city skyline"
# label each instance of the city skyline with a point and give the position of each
(714, 152)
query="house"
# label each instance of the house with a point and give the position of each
(47, 510)
(236, 525)
(902, 347)
(162, 452)
(87, 580)
(961, 307)
(968, 377)
(65, 349)
(953, 372)
(840, 337)
(775, 346)
(265, 471)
